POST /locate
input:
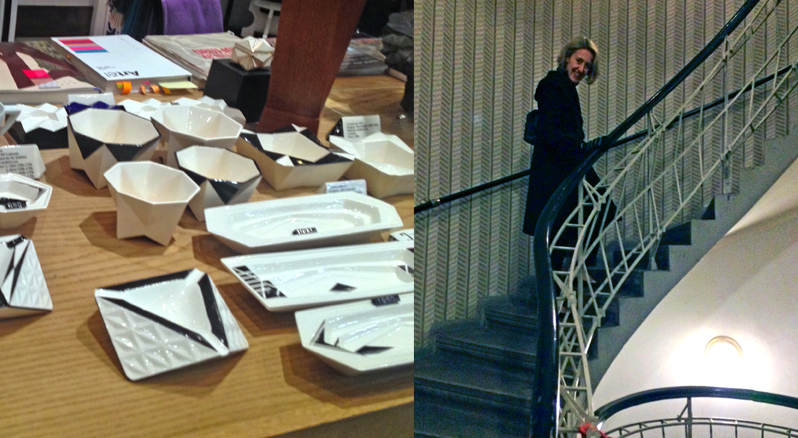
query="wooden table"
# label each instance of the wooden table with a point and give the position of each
(60, 375)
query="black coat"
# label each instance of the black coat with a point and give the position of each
(557, 151)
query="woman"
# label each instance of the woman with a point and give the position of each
(559, 144)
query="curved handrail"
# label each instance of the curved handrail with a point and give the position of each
(433, 203)
(546, 403)
(677, 392)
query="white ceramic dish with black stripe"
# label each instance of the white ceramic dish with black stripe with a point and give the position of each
(23, 290)
(363, 336)
(168, 322)
(293, 157)
(299, 279)
(302, 222)
(21, 198)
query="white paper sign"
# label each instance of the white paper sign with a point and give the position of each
(354, 185)
(23, 160)
(357, 127)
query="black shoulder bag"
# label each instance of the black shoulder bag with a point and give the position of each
(531, 127)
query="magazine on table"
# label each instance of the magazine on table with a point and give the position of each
(34, 72)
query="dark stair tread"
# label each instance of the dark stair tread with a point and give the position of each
(440, 418)
(472, 377)
(473, 333)
(511, 311)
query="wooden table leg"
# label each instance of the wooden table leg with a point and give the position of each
(312, 41)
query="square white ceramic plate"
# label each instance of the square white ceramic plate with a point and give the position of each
(168, 322)
(298, 279)
(23, 290)
(304, 222)
(362, 336)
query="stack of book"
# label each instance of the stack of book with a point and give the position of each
(195, 53)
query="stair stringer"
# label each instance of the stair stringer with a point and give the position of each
(779, 155)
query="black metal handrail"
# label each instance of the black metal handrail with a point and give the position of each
(546, 402)
(677, 392)
(424, 206)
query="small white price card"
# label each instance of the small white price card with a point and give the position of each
(23, 160)
(359, 127)
(354, 185)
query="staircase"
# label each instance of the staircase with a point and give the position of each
(475, 378)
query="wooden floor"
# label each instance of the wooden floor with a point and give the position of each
(60, 375)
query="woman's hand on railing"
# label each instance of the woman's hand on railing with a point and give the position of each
(601, 143)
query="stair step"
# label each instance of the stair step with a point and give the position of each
(441, 418)
(456, 376)
(510, 312)
(632, 287)
(500, 344)
(677, 235)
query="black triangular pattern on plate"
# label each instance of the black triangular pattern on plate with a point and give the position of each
(339, 287)
(87, 145)
(364, 350)
(264, 288)
(413, 250)
(310, 136)
(287, 128)
(215, 318)
(147, 281)
(162, 321)
(226, 189)
(17, 270)
(124, 152)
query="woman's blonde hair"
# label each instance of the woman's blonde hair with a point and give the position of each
(574, 45)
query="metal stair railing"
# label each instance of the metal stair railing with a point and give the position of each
(685, 422)
(571, 306)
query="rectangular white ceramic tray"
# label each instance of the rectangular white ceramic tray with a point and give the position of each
(362, 336)
(304, 222)
(298, 279)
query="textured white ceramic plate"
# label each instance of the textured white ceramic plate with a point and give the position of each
(298, 279)
(168, 322)
(23, 290)
(304, 222)
(21, 198)
(362, 336)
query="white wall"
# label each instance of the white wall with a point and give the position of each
(746, 287)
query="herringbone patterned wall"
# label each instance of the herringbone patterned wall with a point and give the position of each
(477, 64)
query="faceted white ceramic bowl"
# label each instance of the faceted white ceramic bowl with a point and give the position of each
(290, 159)
(99, 138)
(224, 177)
(17, 187)
(184, 126)
(384, 161)
(150, 199)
